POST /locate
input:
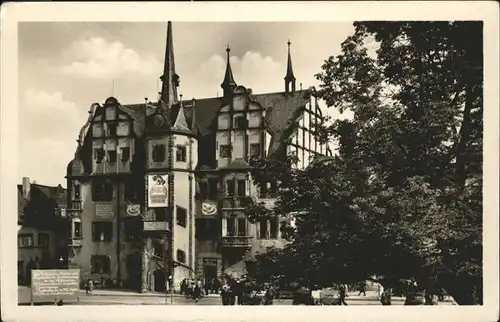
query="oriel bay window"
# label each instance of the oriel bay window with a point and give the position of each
(263, 229)
(242, 188)
(242, 227)
(273, 228)
(158, 153)
(231, 225)
(102, 231)
(268, 228)
(230, 187)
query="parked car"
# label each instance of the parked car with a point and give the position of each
(415, 298)
(327, 296)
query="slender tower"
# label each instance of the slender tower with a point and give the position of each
(228, 84)
(289, 77)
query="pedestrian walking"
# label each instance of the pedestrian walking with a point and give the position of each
(380, 291)
(197, 291)
(208, 287)
(226, 294)
(237, 288)
(342, 294)
(362, 288)
(183, 286)
(89, 286)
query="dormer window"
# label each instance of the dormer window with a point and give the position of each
(99, 155)
(125, 154)
(111, 129)
(158, 154)
(225, 150)
(112, 156)
(240, 122)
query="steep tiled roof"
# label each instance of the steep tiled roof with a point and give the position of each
(282, 109)
(181, 124)
(38, 211)
(137, 113)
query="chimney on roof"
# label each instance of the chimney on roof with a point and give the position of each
(26, 188)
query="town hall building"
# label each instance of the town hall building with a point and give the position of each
(156, 191)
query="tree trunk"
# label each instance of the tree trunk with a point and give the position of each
(464, 138)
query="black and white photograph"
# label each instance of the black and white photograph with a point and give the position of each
(173, 161)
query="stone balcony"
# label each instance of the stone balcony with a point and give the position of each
(155, 226)
(237, 241)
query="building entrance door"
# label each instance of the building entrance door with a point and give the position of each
(210, 272)
(159, 281)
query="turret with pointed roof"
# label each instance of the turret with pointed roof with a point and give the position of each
(228, 84)
(289, 77)
(180, 124)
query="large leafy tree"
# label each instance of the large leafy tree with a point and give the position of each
(402, 199)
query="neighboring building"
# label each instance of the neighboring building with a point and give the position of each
(42, 229)
(158, 189)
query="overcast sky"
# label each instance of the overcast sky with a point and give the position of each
(65, 67)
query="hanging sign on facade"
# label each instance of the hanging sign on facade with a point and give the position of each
(133, 210)
(157, 190)
(208, 208)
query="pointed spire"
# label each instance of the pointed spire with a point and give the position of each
(289, 78)
(180, 122)
(228, 84)
(193, 119)
(170, 80)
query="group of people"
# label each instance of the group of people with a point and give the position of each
(195, 288)
(244, 291)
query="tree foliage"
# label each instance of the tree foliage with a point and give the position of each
(402, 199)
